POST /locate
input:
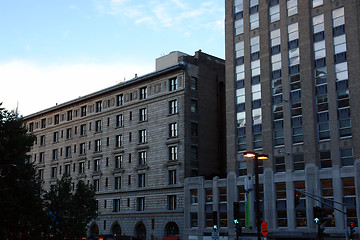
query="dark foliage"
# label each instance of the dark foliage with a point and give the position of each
(69, 213)
(20, 191)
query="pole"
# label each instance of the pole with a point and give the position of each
(346, 224)
(257, 207)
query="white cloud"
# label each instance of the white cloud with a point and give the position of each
(33, 85)
(176, 14)
(144, 20)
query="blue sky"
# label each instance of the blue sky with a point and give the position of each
(61, 49)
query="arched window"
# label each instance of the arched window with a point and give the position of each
(94, 229)
(171, 229)
(140, 230)
(116, 229)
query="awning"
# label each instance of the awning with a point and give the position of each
(170, 238)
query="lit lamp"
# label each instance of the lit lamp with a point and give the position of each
(256, 157)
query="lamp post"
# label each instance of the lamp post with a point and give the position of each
(256, 157)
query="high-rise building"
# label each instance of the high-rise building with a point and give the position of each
(136, 142)
(292, 80)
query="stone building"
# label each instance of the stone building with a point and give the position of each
(292, 82)
(137, 141)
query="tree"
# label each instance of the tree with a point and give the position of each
(69, 212)
(20, 190)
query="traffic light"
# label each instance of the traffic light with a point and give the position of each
(317, 214)
(238, 227)
(215, 220)
(352, 230)
(296, 199)
(236, 212)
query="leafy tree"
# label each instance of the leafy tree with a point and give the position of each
(20, 190)
(68, 212)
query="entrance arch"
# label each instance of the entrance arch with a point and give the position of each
(116, 229)
(171, 229)
(140, 230)
(94, 229)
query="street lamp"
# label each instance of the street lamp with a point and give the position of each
(256, 157)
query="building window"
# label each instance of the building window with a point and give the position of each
(117, 183)
(274, 12)
(194, 129)
(173, 153)
(96, 165)
(68, 133)
(327, 192)
(81, 167)
(325, 159)
(68, 151)
(54, 172)
(142, 158)
(83, 130)
(119, 120)
(97, 145)
(346, 157)
(116, 205)
(140, 204)
(172, 177)
(56, 119)
(42, 140)
(82, 149)
(298, 161)
(119, 141)
(297, 134)
(83, 111)
(281, 208)
(194, 81)
(338, 17)
(254, 14)
(143, 93)
(173, 130)
(350, 199)
(194, 222)
(291, 6)
(300, 209)
(142, 136)
(41, 174)
(316, 3)
(171, 202)
(55, 137)
(239, 14)
(55, 155)
(280, 164)
(173, 84)
(98, 106)
(67, 169)
(43, 123)
(98, 126)
(194, 196)
(69, 115)
(118, 161)
(142, 114)
(141, 180)
(242, 168)
(96, 183)
(173, 107)
(119, 100)
(193, 106)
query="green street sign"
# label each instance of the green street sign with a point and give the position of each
(247, 214)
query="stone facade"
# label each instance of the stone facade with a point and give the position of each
(136, 142)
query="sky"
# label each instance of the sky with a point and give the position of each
(53, 51)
